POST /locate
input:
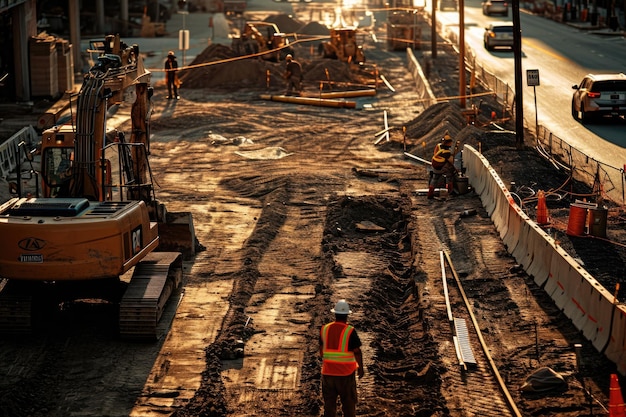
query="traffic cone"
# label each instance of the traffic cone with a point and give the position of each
(542, 209)
(616, 401)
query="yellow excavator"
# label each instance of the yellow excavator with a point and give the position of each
(263, 38)
(97, 216)
(343, 46)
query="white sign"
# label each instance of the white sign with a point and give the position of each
(183, 40)
(532, 77)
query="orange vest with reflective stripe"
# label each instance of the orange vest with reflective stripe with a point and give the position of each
(440, 158)
(337, 360)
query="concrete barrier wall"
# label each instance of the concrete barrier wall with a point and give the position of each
(616, 349)
(422, 87)
(579, 295)
(10, 158)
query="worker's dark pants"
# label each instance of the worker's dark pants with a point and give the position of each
(294, 84)
(171, 85)
(343, 387)
(447, 171)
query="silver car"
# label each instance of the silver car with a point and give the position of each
(599, 95)
(499, 35)
(495, 7)
(448, 4)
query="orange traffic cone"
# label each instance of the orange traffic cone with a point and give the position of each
(616, 401)
(542, 209)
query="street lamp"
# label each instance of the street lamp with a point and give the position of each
(183, 35)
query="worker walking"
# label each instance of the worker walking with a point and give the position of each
(443, 166)
(293, 75)
(340, 348)
(171, 67)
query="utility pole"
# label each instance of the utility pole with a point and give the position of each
(462, 82)
(519, 101)
(433, 30)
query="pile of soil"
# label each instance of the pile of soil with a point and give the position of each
(218, 67)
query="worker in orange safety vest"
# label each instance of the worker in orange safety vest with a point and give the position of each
(340, 348)
(446, 138)
(443, 166)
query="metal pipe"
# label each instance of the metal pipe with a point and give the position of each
(341, 94)
(310, 101)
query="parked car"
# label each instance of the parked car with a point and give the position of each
(491, 7)
(448, 4)
(599, 95)
(499, 35)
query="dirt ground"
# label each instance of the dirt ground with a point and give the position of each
(297, 206)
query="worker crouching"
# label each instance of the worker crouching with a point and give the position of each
(443, 167)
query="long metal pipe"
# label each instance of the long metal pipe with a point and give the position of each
(340, 94)
(310, 101)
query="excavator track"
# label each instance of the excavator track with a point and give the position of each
(153, 281)
(15, 309)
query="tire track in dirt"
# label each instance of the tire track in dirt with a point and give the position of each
(474, 392)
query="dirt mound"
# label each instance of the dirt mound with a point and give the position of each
(285, 23)
(314, 28)
(219, 67)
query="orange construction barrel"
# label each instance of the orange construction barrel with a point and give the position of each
(577, 218)
(597, 221)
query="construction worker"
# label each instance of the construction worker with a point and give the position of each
(293, 75)
(443, 166)
(446, 137)
(340, 348)
(171, 66)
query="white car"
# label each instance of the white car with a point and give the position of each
(599, 95)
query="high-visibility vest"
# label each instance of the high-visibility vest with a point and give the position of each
(337, 360)
(440, 158)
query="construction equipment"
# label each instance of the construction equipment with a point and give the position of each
(97, 217)
(228, 7)
(403, 30)
(343, 46)
(264, 38)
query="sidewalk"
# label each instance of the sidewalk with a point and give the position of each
(596, 29)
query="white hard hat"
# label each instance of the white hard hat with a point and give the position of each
(288, 57)
(341, 307)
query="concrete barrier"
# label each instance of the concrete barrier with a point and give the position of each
(422, 87)
(575, 308)
(542, 248)
(558, 287)
(579, 295)
(598, 307)
(514, 227)
(616, 349)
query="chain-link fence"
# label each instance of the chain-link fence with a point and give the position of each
(606, 181)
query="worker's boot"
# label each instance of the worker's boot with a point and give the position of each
(431, 192)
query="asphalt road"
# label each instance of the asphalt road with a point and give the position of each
(563, 54)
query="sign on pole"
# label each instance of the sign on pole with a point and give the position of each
(532, 77)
